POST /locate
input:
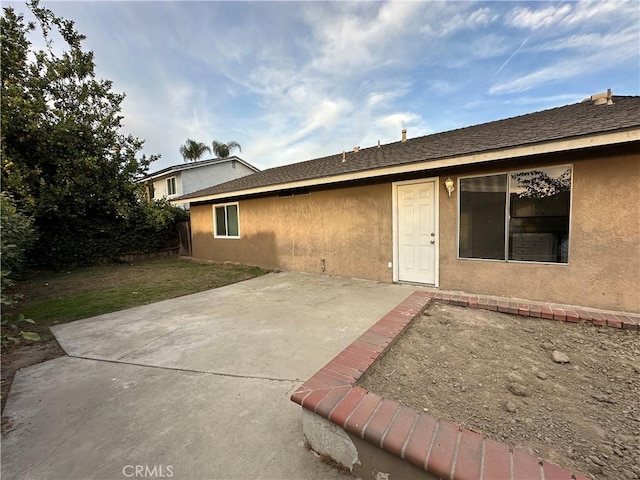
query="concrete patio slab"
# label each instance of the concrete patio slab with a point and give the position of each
(200, 384)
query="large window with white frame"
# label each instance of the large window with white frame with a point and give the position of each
(226, 221)
(521, 215)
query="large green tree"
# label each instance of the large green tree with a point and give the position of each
(65, 160)
(191, 151)
(223, 150)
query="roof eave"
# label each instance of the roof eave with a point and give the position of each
(189, 166)
(562, 145)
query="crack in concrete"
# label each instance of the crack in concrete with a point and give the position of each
(190, 370)
(149, 342)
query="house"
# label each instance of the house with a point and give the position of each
(543, 206)
(185, 178)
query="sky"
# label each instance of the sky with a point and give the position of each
(293, 81)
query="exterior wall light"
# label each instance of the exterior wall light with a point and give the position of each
(448, 184)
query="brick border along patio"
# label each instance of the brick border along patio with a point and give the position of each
(439, 448)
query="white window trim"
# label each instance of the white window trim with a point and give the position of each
(226, 219)
(508, 217)
(175, 183)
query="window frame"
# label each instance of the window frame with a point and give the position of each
(507, 216)
(226, 219)
(175, 186)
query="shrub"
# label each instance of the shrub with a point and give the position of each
(18, 235)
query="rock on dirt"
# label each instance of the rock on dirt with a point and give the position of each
(560, 357)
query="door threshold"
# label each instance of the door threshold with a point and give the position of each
(416, 284)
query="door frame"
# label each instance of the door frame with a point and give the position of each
(436, 219)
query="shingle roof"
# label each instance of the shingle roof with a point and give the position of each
(197, 164)
(571, 121)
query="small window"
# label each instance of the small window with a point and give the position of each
(171, 186)
(522, 216)
(226, 221)
(152, 191)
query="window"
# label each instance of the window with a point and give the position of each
(226, 221)
(171, 186)
(152, 191)
(520, 216)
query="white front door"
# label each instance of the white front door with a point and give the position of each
(416, 232)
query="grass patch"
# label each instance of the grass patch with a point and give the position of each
(51, 298)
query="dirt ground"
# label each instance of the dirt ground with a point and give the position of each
(25, 356)
(495, 374)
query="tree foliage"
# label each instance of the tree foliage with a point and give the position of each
(191, 151)
(65, 160)
(18, 235)
(223, 150)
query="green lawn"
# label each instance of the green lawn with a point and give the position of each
(51, 298)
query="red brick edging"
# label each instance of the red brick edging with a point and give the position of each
(565, 313)
(439, 447)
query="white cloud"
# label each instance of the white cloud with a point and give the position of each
(390, 126)
(590, 41)
(382, 99)
(524, 17)
(608, 52)
(487, 46)
(567, 15)
(465, 21)
(350, 41)
(299, 80)
(600, 10)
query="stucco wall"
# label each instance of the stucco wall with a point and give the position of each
(604, 252)
(194, 179)
(350, 228)
(160, 186)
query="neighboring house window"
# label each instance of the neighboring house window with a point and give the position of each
(171, 186)
(519, 216)
(152, 191)
(226, 221)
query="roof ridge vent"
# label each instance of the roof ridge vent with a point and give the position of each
(356, 149)
(604, 98)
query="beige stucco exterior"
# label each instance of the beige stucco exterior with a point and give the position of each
(604, 251)
(351, 229)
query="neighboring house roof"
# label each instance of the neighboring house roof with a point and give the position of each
(198, 164)
(580, 125)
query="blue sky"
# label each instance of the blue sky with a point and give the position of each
(293, 81)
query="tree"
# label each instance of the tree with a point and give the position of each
(191, 151)
(223, 150)
(65, 161)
